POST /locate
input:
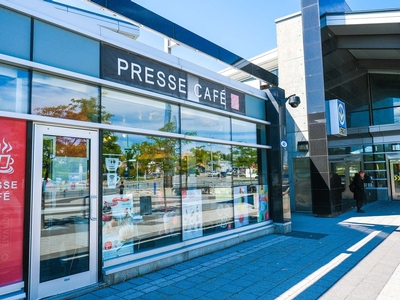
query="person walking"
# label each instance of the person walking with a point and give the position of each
(121, 188)
(359, 191)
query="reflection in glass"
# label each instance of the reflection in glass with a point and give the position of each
(206, 189)
(244, 132)
(359, 118)
(140, 112)
(14, 89)
(385, 91)
(386, 116)
(245, 179)
(198, 123)
(139, 210)
(64, 241)
(66, 99)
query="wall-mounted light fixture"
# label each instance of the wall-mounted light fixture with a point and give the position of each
(302, 146)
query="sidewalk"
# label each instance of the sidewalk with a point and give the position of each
(350, 256)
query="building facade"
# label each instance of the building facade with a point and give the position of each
(117, 158)
(330, 54)
(333, 57)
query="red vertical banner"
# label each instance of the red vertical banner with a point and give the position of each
(12, 194)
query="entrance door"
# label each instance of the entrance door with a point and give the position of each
(395, 179)
(346, 170)
(64, 211)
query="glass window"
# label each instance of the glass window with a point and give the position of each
(359, 119)
(337, 151)
(255, 107)
(385, 95)
(205, 184)
(261, 134)
(374, 166)
(139, 210)
(369, 157)
(64, 49)
(245, 175)
(199, 123)
(392, 147)
(244, 132)
(15, 34)
(386, 116)
(66, 99)
(140, 112)
(14, 89)
(385, 91)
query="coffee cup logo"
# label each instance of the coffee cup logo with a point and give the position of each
(112, 164)
(5, 159)
(112, 180)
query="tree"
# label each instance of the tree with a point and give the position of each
(82, 110)
(244, 157)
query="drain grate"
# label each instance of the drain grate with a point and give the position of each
(306, 235)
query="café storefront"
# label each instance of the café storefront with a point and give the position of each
(105, 166)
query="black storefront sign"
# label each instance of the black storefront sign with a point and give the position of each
(128, 68)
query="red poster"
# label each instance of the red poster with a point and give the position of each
(12, 193)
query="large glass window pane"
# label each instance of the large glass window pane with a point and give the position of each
(385, 95)
(359, 119)
(261, 134)
(385, 90)
(64, 49)
(205, 184)
(247, 185)
(14, 89)
(140, 112)
(386, 116)
(15, 34)
(244, 132)
(66, 99)
(255, 107)
(139, 211)
(198, 123)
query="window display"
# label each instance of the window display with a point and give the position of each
(139, 209)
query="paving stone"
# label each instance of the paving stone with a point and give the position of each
(316, 261)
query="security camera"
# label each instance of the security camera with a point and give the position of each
(294, 101)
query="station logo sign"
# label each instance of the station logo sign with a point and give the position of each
(336, 117)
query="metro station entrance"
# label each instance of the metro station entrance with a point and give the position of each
(395, 179)
(346, 171)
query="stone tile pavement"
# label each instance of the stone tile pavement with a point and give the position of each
(349, 256)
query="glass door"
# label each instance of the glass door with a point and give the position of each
(395, 179)
(64, 210)
(346, 170)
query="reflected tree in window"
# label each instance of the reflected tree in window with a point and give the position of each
(201, 157)
(78, 109)
(84, 110)
(163, 153)
(245, 158)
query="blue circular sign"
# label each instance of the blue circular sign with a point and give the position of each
(342, 115)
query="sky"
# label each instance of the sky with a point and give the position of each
(244, 27)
